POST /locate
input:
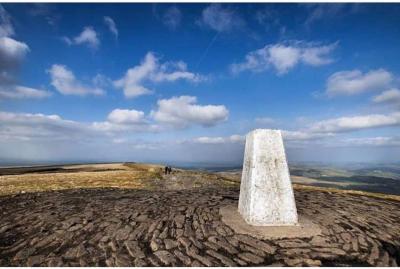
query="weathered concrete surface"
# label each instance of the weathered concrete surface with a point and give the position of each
(114, 227)
(266, 193)
(305, 227)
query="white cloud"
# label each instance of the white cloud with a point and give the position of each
(372, 141)
(219, 139)
(304, 135)
(318, 55)
(284, 57)
(88, 37)
(6, 28)
(177, 112)
(66, 83)
(221, 19)
(150, 70)
(291, 136)
(183, 111)
(323, 131)
(12, 54)
(346, 124)
(19, 92)
(126, 116)
(391, 96)
(26, 126)
(113, 128)
(134, 77)
(172, 17)
(11, 49)
(111, 26)
(355, 82)
(126, 120)
(209, 140)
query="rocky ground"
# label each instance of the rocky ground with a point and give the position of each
(136, 227)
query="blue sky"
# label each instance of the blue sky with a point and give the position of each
(185, 82)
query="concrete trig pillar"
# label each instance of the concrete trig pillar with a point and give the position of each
(266, 193)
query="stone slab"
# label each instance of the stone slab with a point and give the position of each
(266, 193)
(350, 232)
(303, 229)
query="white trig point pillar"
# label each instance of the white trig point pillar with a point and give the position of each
(266, 193)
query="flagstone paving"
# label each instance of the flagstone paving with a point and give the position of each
(116, 227)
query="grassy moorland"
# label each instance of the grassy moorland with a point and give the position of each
(116, 175)
(133, 176)
(151, 177)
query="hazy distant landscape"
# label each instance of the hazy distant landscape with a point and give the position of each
(378, 178)
(371, 178)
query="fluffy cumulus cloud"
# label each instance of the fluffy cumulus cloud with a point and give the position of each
(12, 54)
(391, 96)
(356, 82)
(125, 121)
(172, 17)
(177, 112)
(126, 116)
(65, 82)
(284, 57)
(112, 26)
(220, 19)
(87, 37)
(183, 111)
(150, 70)
(346, 124)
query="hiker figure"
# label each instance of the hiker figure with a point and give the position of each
(169, 170)
(166, 169)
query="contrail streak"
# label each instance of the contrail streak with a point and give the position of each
(206, 50)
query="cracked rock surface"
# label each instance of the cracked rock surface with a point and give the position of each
(115, 227)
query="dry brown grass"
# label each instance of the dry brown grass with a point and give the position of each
(134, 176)
(130, 176)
